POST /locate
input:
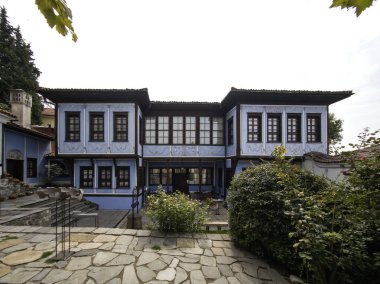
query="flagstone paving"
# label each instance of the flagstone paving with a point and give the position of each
(123, 256)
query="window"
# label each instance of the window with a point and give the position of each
(105, 177)
(191, 130)
(150, 130)
(200, 176)
(163, 130)
(294, 128)
(254, 127)
(96, 126)
(140, 130)
(274, 127)
(217, 131)
(72, 126)
(122, 177)
(86, 177)
(177, 130)
(161, 176)
(120, 124)
(204, 130)
(313, 128)
(230, 136)
(31, 167)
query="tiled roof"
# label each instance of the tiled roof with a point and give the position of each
(295, 92)
(48, 111)
(45, 130)
(33, 132)
(89, 91)
(182, 102)
(324, 158)
(6, 112)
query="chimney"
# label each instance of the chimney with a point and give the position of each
(21, 103)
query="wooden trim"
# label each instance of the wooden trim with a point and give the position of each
(259, 116)
(319, 130)
(67, 114)
(279, 127)
(298, 132)
(91, 128)
(117, 169)
(100, 168)
(238, 151)
(81, 169)
(136, 129)
(115, 114)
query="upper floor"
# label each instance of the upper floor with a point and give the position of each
(246, 123)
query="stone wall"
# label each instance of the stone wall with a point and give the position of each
(40, 218)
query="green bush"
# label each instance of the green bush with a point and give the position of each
(324, 231)
(175, 212)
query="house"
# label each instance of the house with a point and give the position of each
(119, 139)
(24, 148)
(47, 117)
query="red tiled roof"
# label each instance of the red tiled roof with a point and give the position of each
(324, 158)
(48, 112)
(33, 132)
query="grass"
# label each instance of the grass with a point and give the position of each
(156, 247)
(8, 238)
(46, 254)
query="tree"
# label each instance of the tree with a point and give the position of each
(17, 68)
(58, 15)
(358, 5)
(335, 129)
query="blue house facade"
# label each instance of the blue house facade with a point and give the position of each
(118, 139)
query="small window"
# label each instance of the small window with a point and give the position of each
(72, 126)
(31, 167)
(191, 130)
(254, 127)
(140, 130)
(161, 176)
(294, 128)
(163, 130)
(313, 128)
(96, 126)
(150, 130)
(193, 176)
(166, 176)
(230, 136)
(274, 127)
(105, 177)
(122, 177)
(204, 130)
(177, 130)
(217, 131)
(86, 177)
(120, 122)
(154, 176)
(206, 176)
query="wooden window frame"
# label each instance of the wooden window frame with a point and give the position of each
(161, 132)
(298, 126)
(317, 132)
(209, 131)
(230, 131)
(141, 131)
(118, 180)
(178, 130)
(160, 176)
(69, 114)
(214, 139)
(81, 172)
(31, 167)
(92, 115)
(150, 130)
(259, 132)
(279, 128)
(196, 130)
(100, 168)
(115, 131)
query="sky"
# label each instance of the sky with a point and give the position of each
(196, 50)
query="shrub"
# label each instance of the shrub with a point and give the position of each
(175, 212)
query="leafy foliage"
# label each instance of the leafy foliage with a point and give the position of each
(176, 212)
(335, 129)
(358, 5)
(327, 232)
(58, 15)
(17, 68)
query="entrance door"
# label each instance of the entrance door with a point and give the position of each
(180, 182)
(16, 168)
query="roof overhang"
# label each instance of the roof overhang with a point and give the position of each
(282, 97)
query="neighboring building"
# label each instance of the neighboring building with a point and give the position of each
(334, 168)
(24, 148)
(5, 117)
(48, 117)
(119, 139)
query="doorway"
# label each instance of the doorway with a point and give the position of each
(16, 168)
(180, 183)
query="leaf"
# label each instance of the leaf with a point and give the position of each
(58, 15)
(358, 5)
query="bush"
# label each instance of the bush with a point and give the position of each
(175, 212)
(258, 199)
(325, 231)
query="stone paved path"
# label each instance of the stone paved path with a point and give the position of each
(104, 255)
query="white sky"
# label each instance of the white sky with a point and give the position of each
(196, 50)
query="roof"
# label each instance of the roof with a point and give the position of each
(140, 96)
(33, 132)
(324, 158)
(185, 108)
(7, 113)
(45, 130)
(48, 112)
(283, 97)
